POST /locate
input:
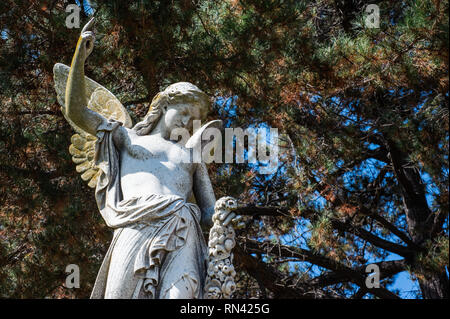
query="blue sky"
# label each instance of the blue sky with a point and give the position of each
(88, 8)
(403, 281)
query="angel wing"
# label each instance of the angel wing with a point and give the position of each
(101, 101)
(197, 138)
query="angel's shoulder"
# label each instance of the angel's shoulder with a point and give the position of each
(122, 135)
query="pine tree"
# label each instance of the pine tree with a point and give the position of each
(363, 174)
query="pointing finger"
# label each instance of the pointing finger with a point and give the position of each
(88, 25)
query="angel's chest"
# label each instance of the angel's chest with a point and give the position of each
(152, 153)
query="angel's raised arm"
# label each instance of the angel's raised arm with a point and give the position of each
(76, 102)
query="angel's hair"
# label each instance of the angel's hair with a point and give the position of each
(181, 92)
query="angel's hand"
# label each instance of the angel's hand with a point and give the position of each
(235, 220)
(87, 39)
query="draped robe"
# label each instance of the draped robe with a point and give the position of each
(158, 249)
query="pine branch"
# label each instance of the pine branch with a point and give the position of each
(31, 112)
(141, 100)
(387, 269)
(439, 220)
(336, 224)
(272, 279)
(352, 275)
(253, 210)
(360, 293)
(373, 239)
(389, 226)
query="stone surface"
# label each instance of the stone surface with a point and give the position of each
(220, 273)
(154, 200)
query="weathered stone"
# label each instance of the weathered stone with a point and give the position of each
(143, 188)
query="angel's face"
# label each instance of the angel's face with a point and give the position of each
(180, 115)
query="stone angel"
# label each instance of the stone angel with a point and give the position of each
(142, 189)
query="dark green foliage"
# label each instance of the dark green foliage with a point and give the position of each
(363, 175)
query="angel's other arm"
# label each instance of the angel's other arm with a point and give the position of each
(76, 102)
(206, 200)
(204, 194)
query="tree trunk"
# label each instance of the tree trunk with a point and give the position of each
(434, 285)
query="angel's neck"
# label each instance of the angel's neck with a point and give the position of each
(161, 131)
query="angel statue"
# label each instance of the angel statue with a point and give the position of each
(155, 203)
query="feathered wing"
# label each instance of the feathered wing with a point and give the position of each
(99, 100)
(197, 141)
